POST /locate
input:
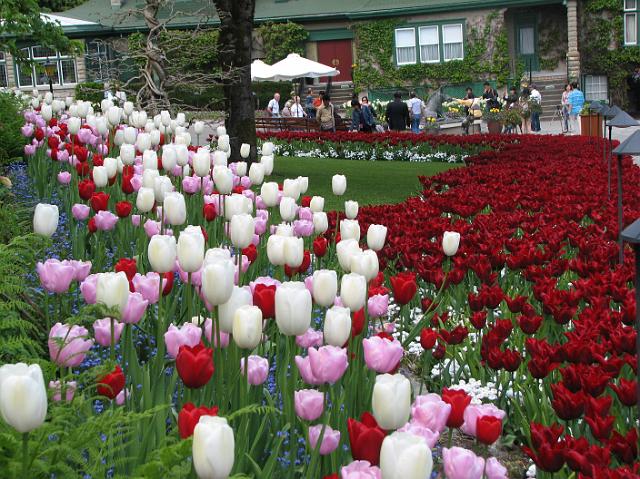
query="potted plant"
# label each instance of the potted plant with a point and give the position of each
(590, 123)
(431, 126)
(512, 119)
(493, 117)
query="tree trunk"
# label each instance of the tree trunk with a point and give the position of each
(236, 18)
(152, 95)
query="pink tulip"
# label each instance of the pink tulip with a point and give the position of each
(431, 411)
(63, 156)
(80, 212)
(260, 202)
(148, 286)
(196, 277)
(303, 228)
(27, 130)
(378, 305)
(136, 182)
(381, 354)
(257, 369)
(494, 470)
(64, 177)
(81, 269)
(55, 276)
(151, 228)
(474, 411)
(102, 149)
(262, 213)
(245, 182)
(188, 334)
(135, 220)
(328, 363)
(138, 168)
(260, 226)
(102, 331)
(191, 184)
(305, 214)
(211, 335)
(29, 150)
(360, 470)
(68, 344)
(460, 463)
(309, 404)
(311, 338)
(330, 439)
(304, 367)
(105, 220)
(69, 390)
(416, 429)
(84, 135)
(135, 308)
(88, 288)
(122, 396)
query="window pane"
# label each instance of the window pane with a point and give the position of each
(429, 43)
(68, 71)
(595, 87)
(630, 29)
(406, 55)
(428, 35)
(3, 75)
(25, 75)
(43, 52)
(405, 37)
(429, 53)
(41, 74)
(527, 41)
(1, 56)
(629, 4)
(453, 51)
(452, 33)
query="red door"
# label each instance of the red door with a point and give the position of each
(336, 53)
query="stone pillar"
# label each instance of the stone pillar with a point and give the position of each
(573, 54)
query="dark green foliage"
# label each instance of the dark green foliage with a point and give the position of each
(58, 5)
(212, 98)
(90, 91)
(280, 39)
(11, 141)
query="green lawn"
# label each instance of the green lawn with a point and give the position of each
(368, 182)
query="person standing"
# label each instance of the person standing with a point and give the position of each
(274, 106)
(536, 99)
(565, 108)
(491, 95)
(308, 103)
(524, 109)
(397, 113)
(368, 120)
(325, 115)
(297, 110)
(357, 119)
(415, 106)
(576, 102)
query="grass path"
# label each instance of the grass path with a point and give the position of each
(368, 182)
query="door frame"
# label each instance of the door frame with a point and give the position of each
(534, 58)
(344, 70)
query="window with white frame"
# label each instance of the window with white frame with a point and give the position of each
(630, 22)
(4, 81)
(97, 60)
(63, 67)
(429, 44)
(596, 88)
(405, 46)
(452, 42)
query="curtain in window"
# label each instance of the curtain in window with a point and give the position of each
(630, 29)
(429, 44)
(452, 42)
(527, 41)
(405, 45)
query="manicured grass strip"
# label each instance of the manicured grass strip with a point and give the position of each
(368, 183)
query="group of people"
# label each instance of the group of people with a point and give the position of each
(572, 103)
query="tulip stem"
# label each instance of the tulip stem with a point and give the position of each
(25, 454)
(111, 348)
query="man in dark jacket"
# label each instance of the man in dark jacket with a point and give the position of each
(397, 113)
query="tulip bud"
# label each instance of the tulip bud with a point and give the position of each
(46, 112)
(183, 154)
(145, 199)
(291, 189)
(308, 404)
(130, 135)
(128, 108)
(267, 148)
(236, 204)
(213, 448)
(223, 179)
(169, 157)
(256, 173)
(218, 281)
(111, 166)
(337, 325)
(220, 158)
(45, 219)
(339, 184)
(325, 287)
(269, 193)
(365, 263)
(202, 162)
(113, 115)
(245, 150)
(23, 397)
(351, 209)
(100, 177)
(128, 154)
(162, 186)
(165, 117)
(275, 250)
(391, 401)
(376, 236)
(242, 228)
(345, 249)
(162, 253)
(288, 209)
(191, 249)
(293, 251)
(149, 178)
(226, 312)
(241, 168)
(405, 456)
(450, 242)
(293, 308)
(317, 204)
(320, 222)
(247, 327)
(112, 290)
(223, 142)
(175, 208)
(353, 291)
(349, 229)
(267, 162)
(198, 127)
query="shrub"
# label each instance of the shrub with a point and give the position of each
(90, 91)
(11, 141)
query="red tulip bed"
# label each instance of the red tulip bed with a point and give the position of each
(203, 321)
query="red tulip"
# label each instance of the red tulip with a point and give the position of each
(627, 391)
(209, 212)
(129, 266)
(320, 246)
(357, 323)
(99, 201)
(251, 252)
(86, 188)
(91, 225)
(264, 297)
(404, 287)
(123, 209)
(365, 437)
(488, 429)
(189, 416)
(169, 277)
(459, 400)
(567, 405)
(111, 384)
(625, 447)
(305, 201)
(428, 338)
(195, 365)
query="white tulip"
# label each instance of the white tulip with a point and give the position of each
(73, 125)
(191, 249)
(198, 127)
(284, 229)
(165, 117)
(269, 193)
(143, 142)
(149, 178)
(353, 291)
(242, 229)
(23, 397)
(376, 237)
(111, 165)
(221, 130)
(288, 208)
(293, 308)
(405, 456)
(83, 109)
(113, 115)
(220, 158)
(213, 448)
(247, 327)
(128, 154)
(450, 242)
(183, 154)
(241, 168)
(226, 311)
(245, 150)
(351, 209)
(223, 142)
(155, 137)
(128, 108)
(267, 148)
(337, 326)
(293, 251)
(102, 126)
(48, 98)
(223, 179)
(275, 250)
(145, 199)
(236, 204)
(256, 173)
(339, 184)
(345, 249)
(175, 208)
(162, 186)
(320, 222)
(149, 160)
(217, 280)
(325, 287)
(105, 105)
(291, 189)
(157, 121)
(303, 182)
(169, 158)
(45, 219)
(350, 229)
(46, 112)
(112, 290)
(391, 401)
(267, 162)
(317, 204)
(365, 263)
(162, 252)
(100, 176)
(130, 135)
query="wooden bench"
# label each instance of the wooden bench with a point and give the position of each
(297, 124)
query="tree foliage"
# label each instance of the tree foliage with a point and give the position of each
(59, 5)
(280, 39)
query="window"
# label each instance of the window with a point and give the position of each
(452, 42)
(595, 88)
(630, 22)
(405, 46)
(429, 44)
(97, 61)
(4, 81)
(64, 68)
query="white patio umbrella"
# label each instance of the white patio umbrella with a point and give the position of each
(260, 71)
(295, 66)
